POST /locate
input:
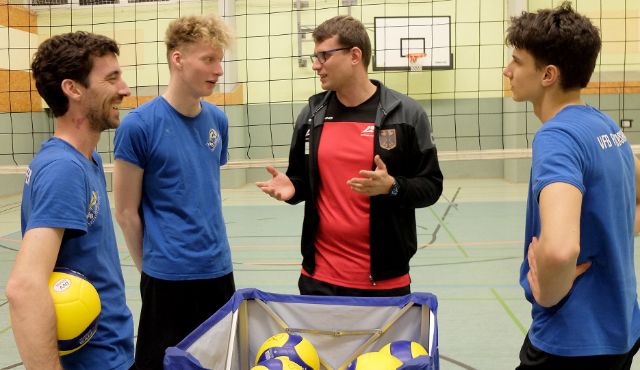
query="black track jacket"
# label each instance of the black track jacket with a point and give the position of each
(408, 150)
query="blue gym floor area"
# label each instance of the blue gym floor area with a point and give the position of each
(470, 249)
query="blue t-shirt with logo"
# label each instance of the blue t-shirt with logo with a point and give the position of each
(583, 147)
(63, 189)
(184, 234)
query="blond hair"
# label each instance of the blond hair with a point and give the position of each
(210, 29)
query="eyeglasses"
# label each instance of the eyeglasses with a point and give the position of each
(322, 56)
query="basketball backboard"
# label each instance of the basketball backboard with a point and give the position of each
(397, 37)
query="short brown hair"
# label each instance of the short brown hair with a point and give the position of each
(561, 37)
(351, 33)
(190, 29)
(67, 56)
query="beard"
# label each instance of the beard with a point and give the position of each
(100, 118)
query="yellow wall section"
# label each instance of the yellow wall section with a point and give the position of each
(19, 27)
(17, 17)
(231, 98)
(18, 92)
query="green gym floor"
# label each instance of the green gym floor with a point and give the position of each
(470, 249)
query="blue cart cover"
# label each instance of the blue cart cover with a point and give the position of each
(340, 328)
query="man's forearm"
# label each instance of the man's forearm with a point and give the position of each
(132, 229)
(33, 323)
(556, 274)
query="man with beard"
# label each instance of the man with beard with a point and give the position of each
(66, 218)
(167, 192)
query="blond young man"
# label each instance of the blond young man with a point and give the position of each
(167, 192)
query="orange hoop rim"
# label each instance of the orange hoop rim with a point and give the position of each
(413, 57)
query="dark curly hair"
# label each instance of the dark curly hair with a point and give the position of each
(67, 56)
(351, 33)
(560, 37)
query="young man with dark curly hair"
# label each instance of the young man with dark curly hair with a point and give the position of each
(66, 218)
(578, 272)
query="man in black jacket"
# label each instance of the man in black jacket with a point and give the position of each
(362, 158)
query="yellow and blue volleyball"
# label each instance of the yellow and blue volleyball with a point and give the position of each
(77, 306)
(404, 350)
(292, 346)
(375, 361)
(278, 363)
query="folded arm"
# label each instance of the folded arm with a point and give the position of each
(33, 316)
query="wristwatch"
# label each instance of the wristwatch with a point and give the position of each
(394, 188)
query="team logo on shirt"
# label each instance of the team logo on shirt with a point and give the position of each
(27, 176)
(611, 140)
(214, 139)
(94, 208)
(387, 138)
(368, 131)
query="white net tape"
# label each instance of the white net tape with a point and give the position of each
(443, 156)
(283, 162)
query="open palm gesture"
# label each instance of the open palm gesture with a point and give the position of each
(279, 186)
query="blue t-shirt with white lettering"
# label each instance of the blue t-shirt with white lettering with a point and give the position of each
(63, 189)
(184, 234)
(583, 147)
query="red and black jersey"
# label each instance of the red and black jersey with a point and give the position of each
(343, 236)
(403, 139)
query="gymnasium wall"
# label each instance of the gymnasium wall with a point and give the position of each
(264, 87)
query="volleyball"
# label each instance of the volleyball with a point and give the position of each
(77, 306)
(404, 350)
(293, 346)
(278, 363)
(374, 361)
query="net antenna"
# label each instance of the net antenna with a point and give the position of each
(416, 61)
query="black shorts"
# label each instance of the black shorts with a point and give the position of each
(173, 309)
(531, 358)
(311, 286)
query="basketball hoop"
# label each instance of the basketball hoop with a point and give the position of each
(415, 61)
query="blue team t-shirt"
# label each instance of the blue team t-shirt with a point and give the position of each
(583, 147)
(63, 189)
(184, 234)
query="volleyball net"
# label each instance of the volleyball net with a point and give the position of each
(446, 54)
